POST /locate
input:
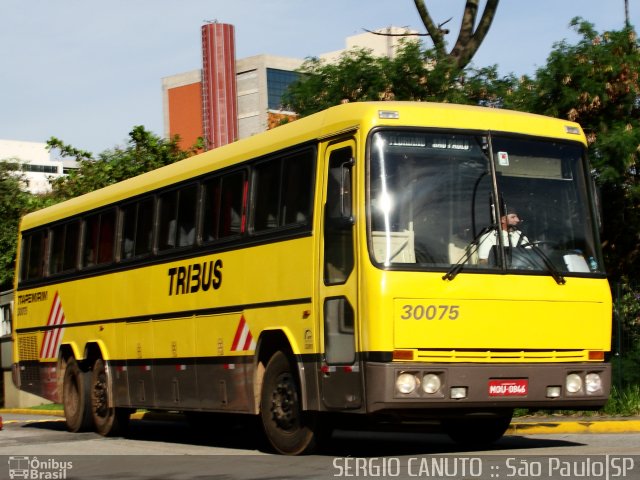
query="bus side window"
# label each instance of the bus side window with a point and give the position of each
(168, 220)
(144, 227)
(233, 204)
(267, 183)
(211, 210)
(129, 220)
(178, 218)
(224, 206)
(283, 191)
(99, 238)
(187, 208)
(64, 248)
(297, 188)
(71, 246)
(137, 229)
(33, 252)
(107, 236)
(56, 255)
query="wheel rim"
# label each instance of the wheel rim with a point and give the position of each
(100, 400)
(283, 403)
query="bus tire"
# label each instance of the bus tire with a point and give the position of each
(289, 430)
(76, 397)
(478, 432)
(108, 421)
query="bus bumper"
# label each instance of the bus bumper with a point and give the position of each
(399, 386)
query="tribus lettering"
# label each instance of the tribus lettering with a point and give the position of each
(195, 277)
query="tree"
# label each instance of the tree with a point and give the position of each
(144, 152)
(470, 36)
(13, 204)
(596, 83)
(414, 73)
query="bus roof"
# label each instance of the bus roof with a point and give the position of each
(342, 118)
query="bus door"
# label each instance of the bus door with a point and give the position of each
(341, 380)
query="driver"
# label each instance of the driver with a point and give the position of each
(511, 236)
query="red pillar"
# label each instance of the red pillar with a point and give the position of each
(219, 92)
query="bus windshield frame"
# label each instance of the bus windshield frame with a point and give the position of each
(436, 200)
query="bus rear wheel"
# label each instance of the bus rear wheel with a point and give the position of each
(290, 431)
(108, 421)
(76, 397)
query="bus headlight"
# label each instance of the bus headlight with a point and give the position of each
(431, 383)
(593, 383)
(406, 383)
(573, 383)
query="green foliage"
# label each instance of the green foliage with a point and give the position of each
(413, 74)
(143, 153)
(623, 401)
(626, 335)
(13, 203)
(596, 83)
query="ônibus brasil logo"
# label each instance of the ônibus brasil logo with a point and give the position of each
(38, 469)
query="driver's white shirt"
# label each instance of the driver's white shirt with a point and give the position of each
(511, 238)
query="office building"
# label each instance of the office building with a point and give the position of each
(208, 103)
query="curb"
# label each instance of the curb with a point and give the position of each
(517, 427)
(546, 427)
(56, 413)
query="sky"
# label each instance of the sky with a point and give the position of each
(87, 71)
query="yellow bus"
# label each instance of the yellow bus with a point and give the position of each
(378, 261)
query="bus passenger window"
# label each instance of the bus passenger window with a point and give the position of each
(137, 229)
(129, 214)
(33, 250)
(187, 207)
(144, 227)
(223, 206)
(168, 220)
(211, 210)
(57, 249)
(178, 218)
(99, 236)
(267, 184)
(64, 248)
(71, 246)
(107, 236)
(297, 188)
(91, 231)
(233, 200)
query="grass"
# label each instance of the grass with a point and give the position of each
(47, 406)
(623, 402)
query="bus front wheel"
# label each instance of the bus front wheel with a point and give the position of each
(107, 420)
(76, 397)
(290, 431)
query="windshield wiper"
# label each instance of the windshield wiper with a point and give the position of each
(470, 249)
(553, 271)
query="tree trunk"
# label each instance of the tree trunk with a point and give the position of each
(469, 38)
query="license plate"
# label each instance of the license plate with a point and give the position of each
(508, 388)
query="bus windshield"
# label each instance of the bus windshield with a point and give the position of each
(480, 202)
